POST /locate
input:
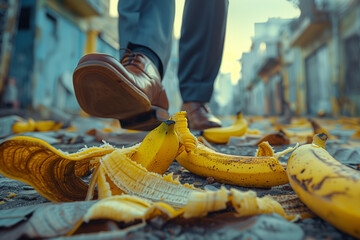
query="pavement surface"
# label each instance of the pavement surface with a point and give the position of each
(16, 195)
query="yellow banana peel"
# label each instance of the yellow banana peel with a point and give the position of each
(186, 138)
(330, 189)
(131, 178)
(54, 174)
(127, 208)
(222, 135)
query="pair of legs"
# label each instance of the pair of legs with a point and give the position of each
(131, 90)
(150, 24)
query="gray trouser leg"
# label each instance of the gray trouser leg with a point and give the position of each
(148, 23)
(201, 47)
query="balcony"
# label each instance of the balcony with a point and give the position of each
(270, 59)
(307, 31)
(87, 8)
(314, 19)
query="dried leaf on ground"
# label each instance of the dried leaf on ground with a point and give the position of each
(346, 155)
(278, 138)
(47, 220)
(356, 135)
(12, 216)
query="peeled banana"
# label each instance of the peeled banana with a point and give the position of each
(222, 134)
(263, 170)
(329, 188)
(158, 149)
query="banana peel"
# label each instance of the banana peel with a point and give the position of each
(186, 138)
(127, 208)
(54, 174)
(122, 175)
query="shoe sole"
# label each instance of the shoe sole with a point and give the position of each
(102, 91)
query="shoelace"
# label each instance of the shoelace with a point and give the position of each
(130, 58)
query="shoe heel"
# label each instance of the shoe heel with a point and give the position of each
(146, 121)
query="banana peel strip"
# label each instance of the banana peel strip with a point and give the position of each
(119, 174)
(54, 174)
(127, 208)
(186, 138)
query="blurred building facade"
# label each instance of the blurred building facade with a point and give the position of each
(306, 66)
(311, 66)
(221, 102)
(50, 39)
(9, 11)
(261, 83)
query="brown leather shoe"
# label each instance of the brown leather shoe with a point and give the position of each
(199, 116)
(130, 91)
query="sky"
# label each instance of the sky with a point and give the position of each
(242, 14)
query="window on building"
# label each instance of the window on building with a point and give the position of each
(352, 60)
(25, 17)
(52, 23)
